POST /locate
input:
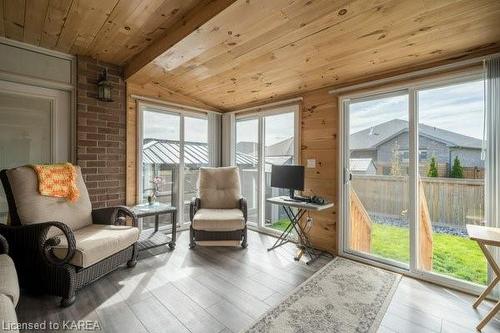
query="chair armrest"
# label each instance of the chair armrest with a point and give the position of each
(194, 205)
(4, 245)
(244, 208)
(45, 245)
(115, 215)
(29, 242)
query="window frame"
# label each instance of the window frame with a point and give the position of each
(181, 113)
(294, 108)
(412, 87)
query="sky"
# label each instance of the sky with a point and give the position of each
(277, 128)
(167, 126)
(457, 108)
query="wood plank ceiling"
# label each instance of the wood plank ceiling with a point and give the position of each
(255, 51)
(110, 30)
(263, 50)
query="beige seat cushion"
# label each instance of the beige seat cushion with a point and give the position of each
(219, 187)
(8, 316)
(35, 208)
(97, 242)
(218, 220)
(9, 284)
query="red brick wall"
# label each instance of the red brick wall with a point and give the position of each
(101, 133)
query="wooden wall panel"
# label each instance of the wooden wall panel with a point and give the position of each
(319, 127)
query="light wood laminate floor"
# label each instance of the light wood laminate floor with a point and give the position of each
(212, 289)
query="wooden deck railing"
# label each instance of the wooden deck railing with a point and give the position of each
(361, 225)
(361, 228)
(425, 232)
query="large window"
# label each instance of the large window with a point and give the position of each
(247, 160)
(195, 156)
(174, 145)
(262, 140)
(414, 177)
(279, 149)
(379, 194)
(451, 129)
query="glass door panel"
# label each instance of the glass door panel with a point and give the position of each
(25, 134)
(160, 160)
(279, 143)
(35, 127)
(451, 179)
(247, 159)
(378, 193)
(195, 156)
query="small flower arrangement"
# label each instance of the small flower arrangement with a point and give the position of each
(157, 181)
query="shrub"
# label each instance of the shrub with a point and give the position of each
(433, 171)
(457, 171)
(395, 160)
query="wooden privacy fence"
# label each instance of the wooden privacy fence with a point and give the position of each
(451, 202)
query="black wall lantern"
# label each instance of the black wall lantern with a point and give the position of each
(104, 87)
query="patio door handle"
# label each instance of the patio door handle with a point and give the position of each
(347, 176)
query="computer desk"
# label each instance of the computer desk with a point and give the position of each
(302, 208)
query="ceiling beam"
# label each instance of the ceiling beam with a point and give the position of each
(202, 13)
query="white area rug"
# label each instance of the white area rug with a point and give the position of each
(344, 296)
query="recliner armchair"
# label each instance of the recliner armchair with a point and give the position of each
(58, 246)
(219, 213)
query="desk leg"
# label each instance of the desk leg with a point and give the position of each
(492, 285)
(486, 292)
(304, 240)
(283, 238)
(174, 230)
(489, 316)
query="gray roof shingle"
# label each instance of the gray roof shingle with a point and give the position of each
(372, 137)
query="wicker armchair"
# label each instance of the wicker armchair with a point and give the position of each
(59, 247)
(9, 289)
(219, 213)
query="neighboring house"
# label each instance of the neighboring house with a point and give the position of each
(279, 153)
(362, 166)
(379, 142)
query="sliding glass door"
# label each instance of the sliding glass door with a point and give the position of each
(247, 159)
(173, 146)
(414, 177)
(378, 191)
(279, 149)
(262, 140)
(196, 155)
(451, 179)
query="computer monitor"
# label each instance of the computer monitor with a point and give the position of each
(290, 177)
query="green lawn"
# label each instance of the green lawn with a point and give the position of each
(280, 224)
(452, 255)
